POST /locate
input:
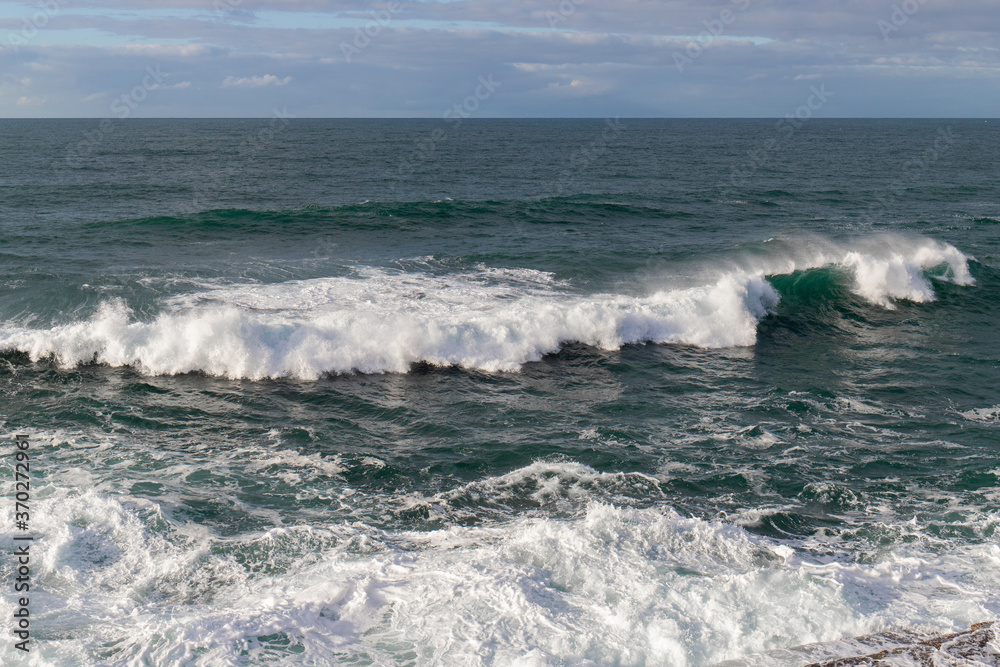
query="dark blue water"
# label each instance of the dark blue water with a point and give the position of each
(536, 392)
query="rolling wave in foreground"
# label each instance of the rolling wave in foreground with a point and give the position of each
(378, 320)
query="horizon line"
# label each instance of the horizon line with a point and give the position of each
(495, 118)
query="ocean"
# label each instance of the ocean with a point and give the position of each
(498, 392)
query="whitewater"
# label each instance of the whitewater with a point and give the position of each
(604, 584)
(492, 320)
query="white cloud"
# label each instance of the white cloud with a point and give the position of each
(165, 50)
(254, 81)
(580, 87)
(175, 86)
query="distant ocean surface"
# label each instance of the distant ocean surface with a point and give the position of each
(525, 392)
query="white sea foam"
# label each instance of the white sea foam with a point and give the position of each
(385, 322)
(491, 319)
(983, 415)
(551, 485)
(117, 583)
(884, 268)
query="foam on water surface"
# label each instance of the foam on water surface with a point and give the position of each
(490, 320)
(120, 583)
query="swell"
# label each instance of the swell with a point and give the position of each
(373, 215)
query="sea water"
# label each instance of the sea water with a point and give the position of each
(588, 392)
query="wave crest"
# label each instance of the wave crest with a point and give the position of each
(490, 320)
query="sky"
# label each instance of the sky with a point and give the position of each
(500, 58)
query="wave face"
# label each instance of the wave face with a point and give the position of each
(377, 320)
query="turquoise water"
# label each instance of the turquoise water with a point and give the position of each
(540, 393)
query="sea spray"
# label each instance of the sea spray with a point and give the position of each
(380, 321)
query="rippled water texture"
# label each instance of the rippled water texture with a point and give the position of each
(543, 395)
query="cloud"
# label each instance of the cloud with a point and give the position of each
(254, 81)
(601, 57)
(166, 50)
(174, 86)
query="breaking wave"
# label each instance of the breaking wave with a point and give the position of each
(378, 320)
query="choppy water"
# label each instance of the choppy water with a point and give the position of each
(540, 393)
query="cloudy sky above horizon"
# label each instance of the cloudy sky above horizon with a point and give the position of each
(548, 58)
